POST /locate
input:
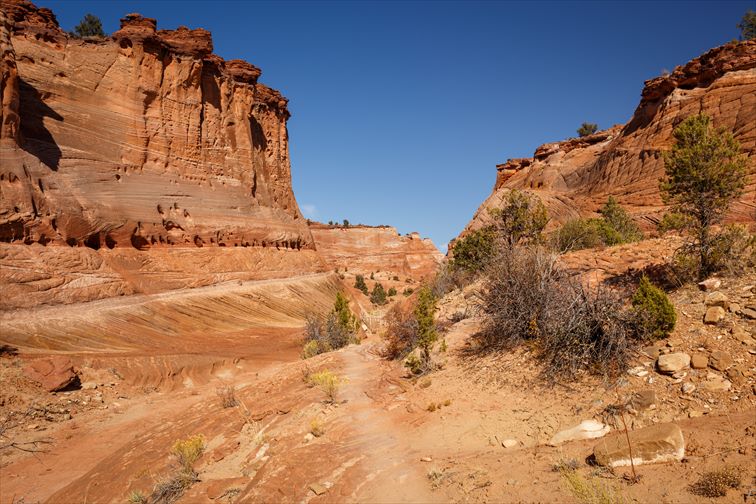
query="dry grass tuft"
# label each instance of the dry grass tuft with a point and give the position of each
(227, 395)
(590, 490)
(716, 483)
(328, 382)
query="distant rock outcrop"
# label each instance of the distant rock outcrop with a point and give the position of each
(576, 176)
(142, 139)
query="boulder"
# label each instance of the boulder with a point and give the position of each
(587, 429)
(699, 361)
(657, 443)
(52, 373)
(672, 363)
(714, 315)
(717, 299)
(720, 361)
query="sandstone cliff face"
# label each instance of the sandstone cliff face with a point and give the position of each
(367, 249)
(575, 177)
(137, 163)
(143, 139)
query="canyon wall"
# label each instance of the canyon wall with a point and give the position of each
(138, 162)
(575, 177)
(367, 249)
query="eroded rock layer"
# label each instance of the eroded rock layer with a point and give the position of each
(367, 249)
(575, 177)
(143, 139)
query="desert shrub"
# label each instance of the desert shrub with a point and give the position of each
(731, 251)
(704, 173)
(317, 428)
(614, 227)
(227, 396)
(520, 220)
(472, 252)
(408, 291)
(90, 26)
(401, 331)
(747, 26)
(345, 223)
(188, 451)
(359, 283)
(392, 292)
(424, 313)
(449, 278)
(586, 129)
(169, 490)
(395, 278)
(673, 221)
(328, 382)
(337, 330)
(716, 483)
(378, 295)
(590, 490)
(654, 313)
(137, 497)
(528, 298)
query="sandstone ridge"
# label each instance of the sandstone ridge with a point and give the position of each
(576, 176)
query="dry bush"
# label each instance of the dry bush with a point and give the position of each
(590, 490)
(317, 428)
(716, 483)
(188, 451)
(328, 382)
(401, 331)
(573, 328)
(227, 396)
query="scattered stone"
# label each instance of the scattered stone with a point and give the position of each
(720, 361)
(53, 373)
(653, 351)
(309, 437)
(688, 388)
(673, 362)
(734, 308)
(714, 315)
(749, 312)
(643, 399)
(657, 443)
(509, 443)
(587, 429)
(318, 489)
(717, 299)
(699, 361)
(710, 284)
(426, 459)
(88, 386)
(637, 371)
(716, 383)
(695, 414)
(742, 336)
(32, 426)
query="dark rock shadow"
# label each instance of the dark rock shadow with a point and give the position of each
(36, 139)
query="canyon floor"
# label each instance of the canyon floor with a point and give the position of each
(386, 438)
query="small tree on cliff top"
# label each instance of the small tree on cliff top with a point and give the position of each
(90, 26)
(705, 173)
(748, 26)
(586, 129)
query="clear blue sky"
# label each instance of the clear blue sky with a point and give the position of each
(400, 110)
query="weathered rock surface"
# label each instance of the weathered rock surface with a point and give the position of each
(714, 314)
(575, 177)
(53, 373)
(143, 139)
(657, 443)
(673, 362)
(365, 249)
(699, 361)
(587, 429)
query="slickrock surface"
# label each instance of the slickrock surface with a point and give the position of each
(576, 176)
(138, 163)
(143, 139)
(365, 249)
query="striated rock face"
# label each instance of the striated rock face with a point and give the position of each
(365, 249)
(575, 177)
(141, 140)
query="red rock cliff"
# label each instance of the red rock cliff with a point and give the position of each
(575, 177)
(142, 139)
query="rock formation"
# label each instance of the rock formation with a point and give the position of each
(575, 177)
(365, 249)
(137, 163)
(143, 139)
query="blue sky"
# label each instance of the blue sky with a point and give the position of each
(401, 110)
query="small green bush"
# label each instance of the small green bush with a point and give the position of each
(586, 129)
(620, 227)
(337, 330)
(90, 26)
(473, 252)
(392, 292)
(614, 227)
(424, 312)
(359, 284)
(673, 221)
(328, 382)
(408, 291)
(378, 296)
(655, 314)
(521, 219)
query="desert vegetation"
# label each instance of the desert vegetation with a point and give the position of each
(411, 331)
(615, 226)
(90, 26)
(328, 382)
(336, 330)
(186, 452)
(587, 128)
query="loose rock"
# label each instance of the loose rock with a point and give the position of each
(657, 443)
(710, 284)
(587, 429)
(53, 373)
(720, 361)
(673, 362)
(714, 315)
(699, 361)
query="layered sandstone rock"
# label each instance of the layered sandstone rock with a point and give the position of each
(143, 139)
(366, 249)
(138, 163)
(575, 177)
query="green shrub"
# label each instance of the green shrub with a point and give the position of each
(424, 313)
(578, 234)
(392, 292)
(311, 349)
(378, 296)
(337, 330)
(747, 26)
(408, 291)
(619, 226)
(673, 221)
(90, 26)
(521, 219)
(614, 227)
(655, 314)
(328, 382)
(472, 252)
(586, 129)
(359, 283)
